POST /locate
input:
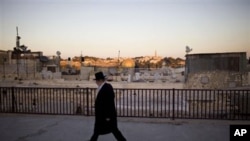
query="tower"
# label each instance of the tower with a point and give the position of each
(17, 38)
(19, 48)
(155, 53)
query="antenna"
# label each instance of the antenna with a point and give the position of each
(188, 49)
(17, 38)
(17, 31)
(118, 57)
(58, 53)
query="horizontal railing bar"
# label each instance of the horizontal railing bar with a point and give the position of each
(225, 104)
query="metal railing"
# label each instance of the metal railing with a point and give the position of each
(149, 103)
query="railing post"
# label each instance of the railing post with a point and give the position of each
(173, 114)
(87, 89)
(13, 100)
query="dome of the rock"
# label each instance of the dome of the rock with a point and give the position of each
(128, 63)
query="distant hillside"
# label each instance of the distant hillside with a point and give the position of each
(141, 62)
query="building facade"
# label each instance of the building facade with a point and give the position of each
(216, 70)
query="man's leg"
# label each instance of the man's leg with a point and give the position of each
(118, 135)
(94, 137)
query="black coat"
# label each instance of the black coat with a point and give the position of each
(105, 112)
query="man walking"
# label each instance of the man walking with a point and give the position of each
(105, 112)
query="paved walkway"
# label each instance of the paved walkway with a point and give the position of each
(19, 127)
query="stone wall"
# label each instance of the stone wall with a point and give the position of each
(217, 80)
(45, 74)
(85, 72)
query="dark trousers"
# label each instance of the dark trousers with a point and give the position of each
(118, 135)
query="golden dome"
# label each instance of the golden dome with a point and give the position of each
(128, 63)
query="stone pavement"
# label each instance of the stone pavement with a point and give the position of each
(21, 127)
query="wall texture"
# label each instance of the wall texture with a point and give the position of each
(217, 80)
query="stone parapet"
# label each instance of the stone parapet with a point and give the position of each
(217, 80)
(90, 84)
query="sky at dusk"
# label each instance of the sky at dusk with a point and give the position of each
(102, 28)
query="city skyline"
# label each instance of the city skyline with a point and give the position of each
(127, 27)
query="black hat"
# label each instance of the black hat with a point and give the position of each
(99, 76)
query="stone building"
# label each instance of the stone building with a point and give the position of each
(216, 70)
(19, 65)
(22, 63)
(27, 65)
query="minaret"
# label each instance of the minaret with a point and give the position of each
(155, 53)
